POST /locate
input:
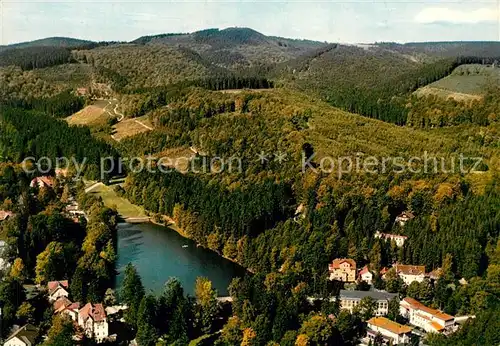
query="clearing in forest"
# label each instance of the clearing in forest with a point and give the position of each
(131, 127)
(90, 115)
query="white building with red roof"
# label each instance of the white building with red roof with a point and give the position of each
(365, 275)
(92, 318)
(430, 320)
(57, 289)
(64, 306)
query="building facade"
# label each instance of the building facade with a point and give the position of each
(350, 299)
(365, 275)
(428, 319)
(57, 289)
(410, 273)
(343, 269)
(392, 333)
(92, 319)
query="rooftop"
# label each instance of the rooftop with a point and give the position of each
(409, 269)
(415, 304)
(94, 311)
(338, 261)
(387, 324)
(27, 334)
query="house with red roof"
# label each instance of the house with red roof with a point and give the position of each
(343, 269)
(92, 319)
(57, 289)
(44, 182)
(365, 275)
(64, 306)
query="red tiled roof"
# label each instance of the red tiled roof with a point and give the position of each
(5, 214)
(337, 262)
(409, 269)
(61, 303)
(364, 270)
(96, 312)
(54, 285)
(45, 180)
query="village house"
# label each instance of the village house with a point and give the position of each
(365, 275)
(4, 215)
(350, 299)
(428, 319)
(392, 332)
(45, 182)
(57, 289)
(404, 217)
(399, 240)
(410, 273)
(343, 269)
(64, 306)
(92, 318)
(24, 336)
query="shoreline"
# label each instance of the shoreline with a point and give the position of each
(168, 222)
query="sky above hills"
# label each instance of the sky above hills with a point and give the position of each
(326, 20)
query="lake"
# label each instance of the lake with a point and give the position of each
(159, 253)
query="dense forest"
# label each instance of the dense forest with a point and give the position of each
(32, 134)
(30, 58)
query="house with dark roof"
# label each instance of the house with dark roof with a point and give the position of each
(93, 320)
(404, 217)
(350, 299)
(24, 336)
(410, 273)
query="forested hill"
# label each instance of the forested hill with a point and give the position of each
(447, 49)
(235, 47)
(65, 42)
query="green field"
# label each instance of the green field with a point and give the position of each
(466, 82)
(112, 200)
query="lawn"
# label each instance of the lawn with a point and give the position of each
(467, 82)
(112, 200)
